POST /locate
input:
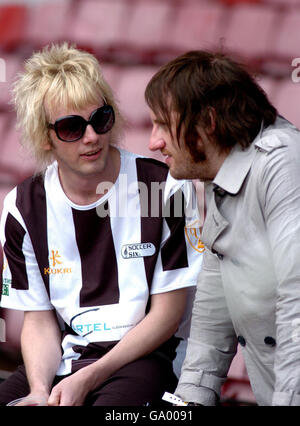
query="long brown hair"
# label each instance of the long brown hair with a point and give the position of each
(196, 81)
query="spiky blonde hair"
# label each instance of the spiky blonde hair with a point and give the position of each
(66, 77)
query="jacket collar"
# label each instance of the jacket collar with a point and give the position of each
(236, 166)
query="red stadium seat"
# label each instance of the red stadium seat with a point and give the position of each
(237, 389)
(148, 27)
(284, 3)
(4, 190)
(130, 93)
(111, 73)
(137, 141)
(48, 22)
(10, 65)
(99, 25)
(198, 25)
(287, 36)
(10, 351)
(269, 85)
(6, 174)
(234, 2)
(287, 100)
(249, 31)
(15, 162)
(12, 25)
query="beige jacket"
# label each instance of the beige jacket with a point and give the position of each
(249, 286)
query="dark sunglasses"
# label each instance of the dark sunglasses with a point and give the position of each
(72, 127)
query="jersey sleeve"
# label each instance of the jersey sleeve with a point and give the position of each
(181, 250)
(22, 284)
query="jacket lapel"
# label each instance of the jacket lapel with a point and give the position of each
(214, 224)
(228, 180)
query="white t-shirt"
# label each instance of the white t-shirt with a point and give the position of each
(96, 265)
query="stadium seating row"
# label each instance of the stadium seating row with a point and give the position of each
(149, 31)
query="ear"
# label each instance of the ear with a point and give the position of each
(47, 145)
(212, 115)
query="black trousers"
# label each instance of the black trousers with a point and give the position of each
(142, 382)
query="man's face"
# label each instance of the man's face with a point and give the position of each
(88, 156)
(177, 155)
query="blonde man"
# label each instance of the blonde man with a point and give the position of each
(82, 252)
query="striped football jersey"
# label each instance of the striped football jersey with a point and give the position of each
(97, 265)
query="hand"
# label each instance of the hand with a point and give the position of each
(71, 391)
(33, 399)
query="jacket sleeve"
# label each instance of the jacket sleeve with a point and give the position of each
(212, 343)
(280, 199)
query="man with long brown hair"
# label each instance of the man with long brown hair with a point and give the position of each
(213, 122)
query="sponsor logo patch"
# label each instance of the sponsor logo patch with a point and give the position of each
(5, 286)
(56, 261)
(6, 282)
(131, 251)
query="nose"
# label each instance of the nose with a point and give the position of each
(90, 135)
(156, 141)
